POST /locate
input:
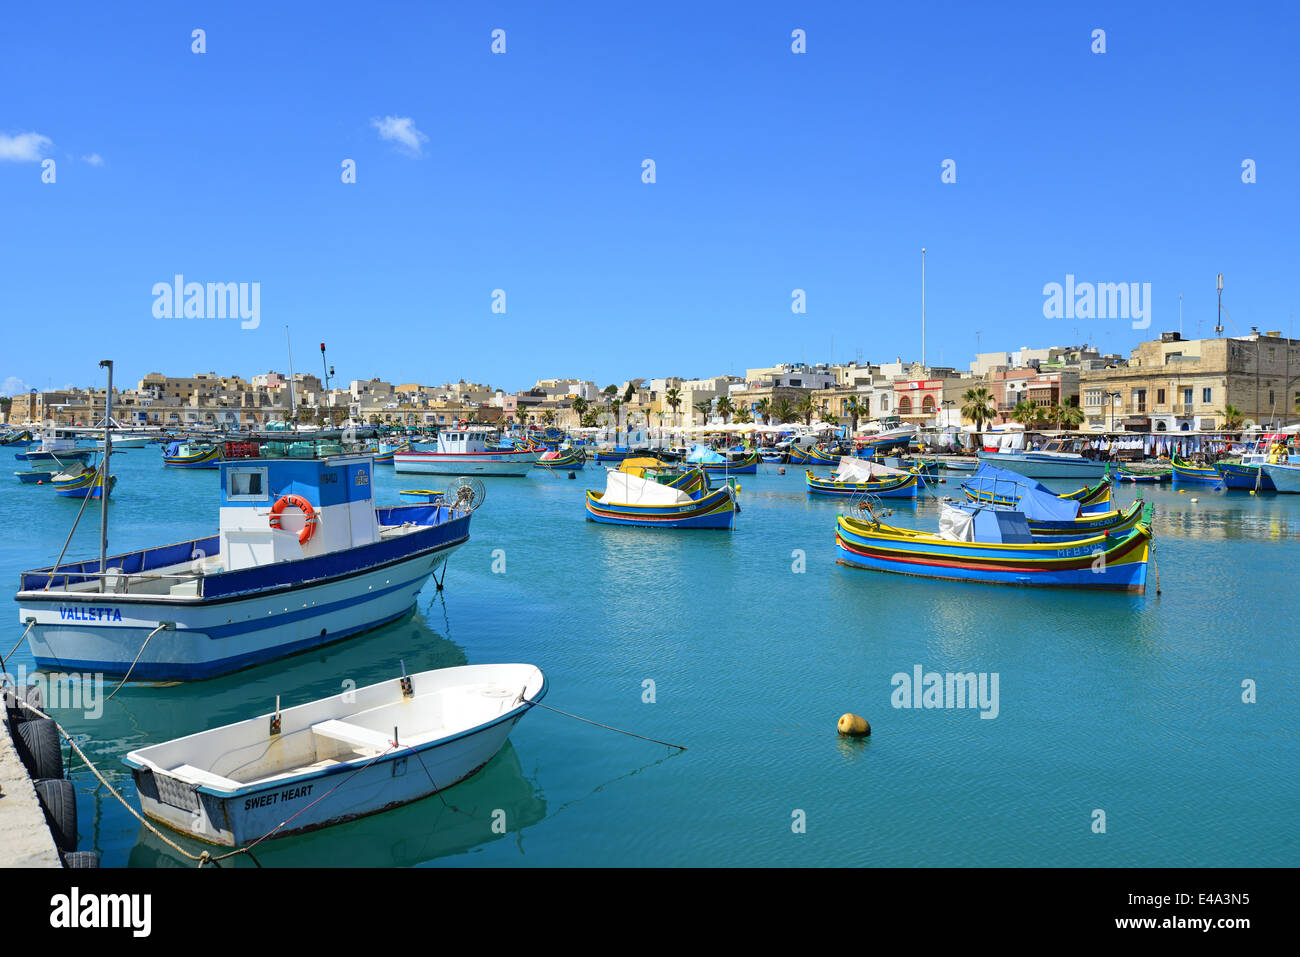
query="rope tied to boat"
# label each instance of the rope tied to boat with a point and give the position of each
(4, 671)
(161, 627)
(538, 704)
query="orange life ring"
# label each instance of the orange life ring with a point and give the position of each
(308, 513)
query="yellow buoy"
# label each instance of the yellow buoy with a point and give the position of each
(1252, 491)
(738, 489)
(854, 726)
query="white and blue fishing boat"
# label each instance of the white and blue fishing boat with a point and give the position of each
(335, 759)
(56, 450)
(302, 557)
(1058, 459)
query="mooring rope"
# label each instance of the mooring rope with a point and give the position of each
(607, 727)
(30, 625)
(137, 658)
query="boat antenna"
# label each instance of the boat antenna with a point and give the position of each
(105, 483)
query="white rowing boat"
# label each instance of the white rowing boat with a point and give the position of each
(334, 759)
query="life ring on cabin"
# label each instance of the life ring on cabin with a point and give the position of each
(308, 513)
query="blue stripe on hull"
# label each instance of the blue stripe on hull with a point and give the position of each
(1115, 577)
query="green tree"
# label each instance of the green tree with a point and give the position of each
(1232, 416)
(978, 407)
(763, 406)
(674, 399)
(782, 411)
(805, 407)
(725, 408)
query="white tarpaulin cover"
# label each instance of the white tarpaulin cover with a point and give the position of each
(956, 524)
(623, 488)
(861, 470)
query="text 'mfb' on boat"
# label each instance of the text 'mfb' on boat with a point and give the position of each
(302, 557)
(337, 758)
(466, 452)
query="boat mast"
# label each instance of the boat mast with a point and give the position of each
(289, 348)
(923, 310)
(103, 474)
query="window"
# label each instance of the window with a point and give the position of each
(1140, 399)
(1187, 396)
(1206, 395)
(247, 485)
(1160, 396)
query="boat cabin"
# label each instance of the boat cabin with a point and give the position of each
(280, 509)
(464, 441)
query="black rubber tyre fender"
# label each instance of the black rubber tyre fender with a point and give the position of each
(59, 802)
(40, 748)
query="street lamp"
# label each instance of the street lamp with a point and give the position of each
(1112, 396)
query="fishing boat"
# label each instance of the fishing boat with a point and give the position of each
(655, 498)
(191, 455)
(337, 758)
(980, 543)
(820, 456)
(772, 456)
(17, 438)
(1247, 470)
(991, 485)
(60, 452)
(1058, 459)
(1152, 477)
(562, 460)
(302, 557)
(961, 465)
(36, 476)
(86, 483)
(714, 462)
(855, 477)
(386, 451)
(1191, 473)
(466, 452)
(893, 439)
(1284, 475)
(1047, 514)
(607, 455)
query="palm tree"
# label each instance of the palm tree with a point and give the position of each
(704, 408)
(742, 417)
(1069, 415)
(782, 411)
(1025, 412)
(614, 406)
(978, 407)
(548, 417)
(580, 406)
(1233, 417)
(674, 399)
(806, 407)
(725, 408)
(854, 409)
(763, 406)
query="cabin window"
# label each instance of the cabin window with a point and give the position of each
(246, 485)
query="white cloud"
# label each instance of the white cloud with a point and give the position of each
(401, 130)
(23, 148)
(13, 385)
(94, 159)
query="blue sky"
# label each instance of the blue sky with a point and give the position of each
(775, 171)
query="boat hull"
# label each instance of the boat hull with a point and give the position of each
(1109, 562)
(1189, 473)
(311, 799)
(503, 464)
(209, 459)
(1039, 466)
(902, 486)
(1244, 476)
(716, 509)
(1286, 478)
(307, 604)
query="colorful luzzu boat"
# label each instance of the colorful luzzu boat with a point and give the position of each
(1164, 475)
(799, 456)
(302, 557)
(991, 485)
(185, 455)
(985, 544)
(562, 460)
(718, 463)
(387, 450)
(634, 497)
(613, 455)
(1191, 473)
(1049, 516)
(861, 477)
(819, 456)
(89, 483)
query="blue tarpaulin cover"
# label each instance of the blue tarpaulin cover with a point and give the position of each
(1035, 500)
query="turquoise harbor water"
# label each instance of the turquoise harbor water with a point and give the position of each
(1132, 705)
